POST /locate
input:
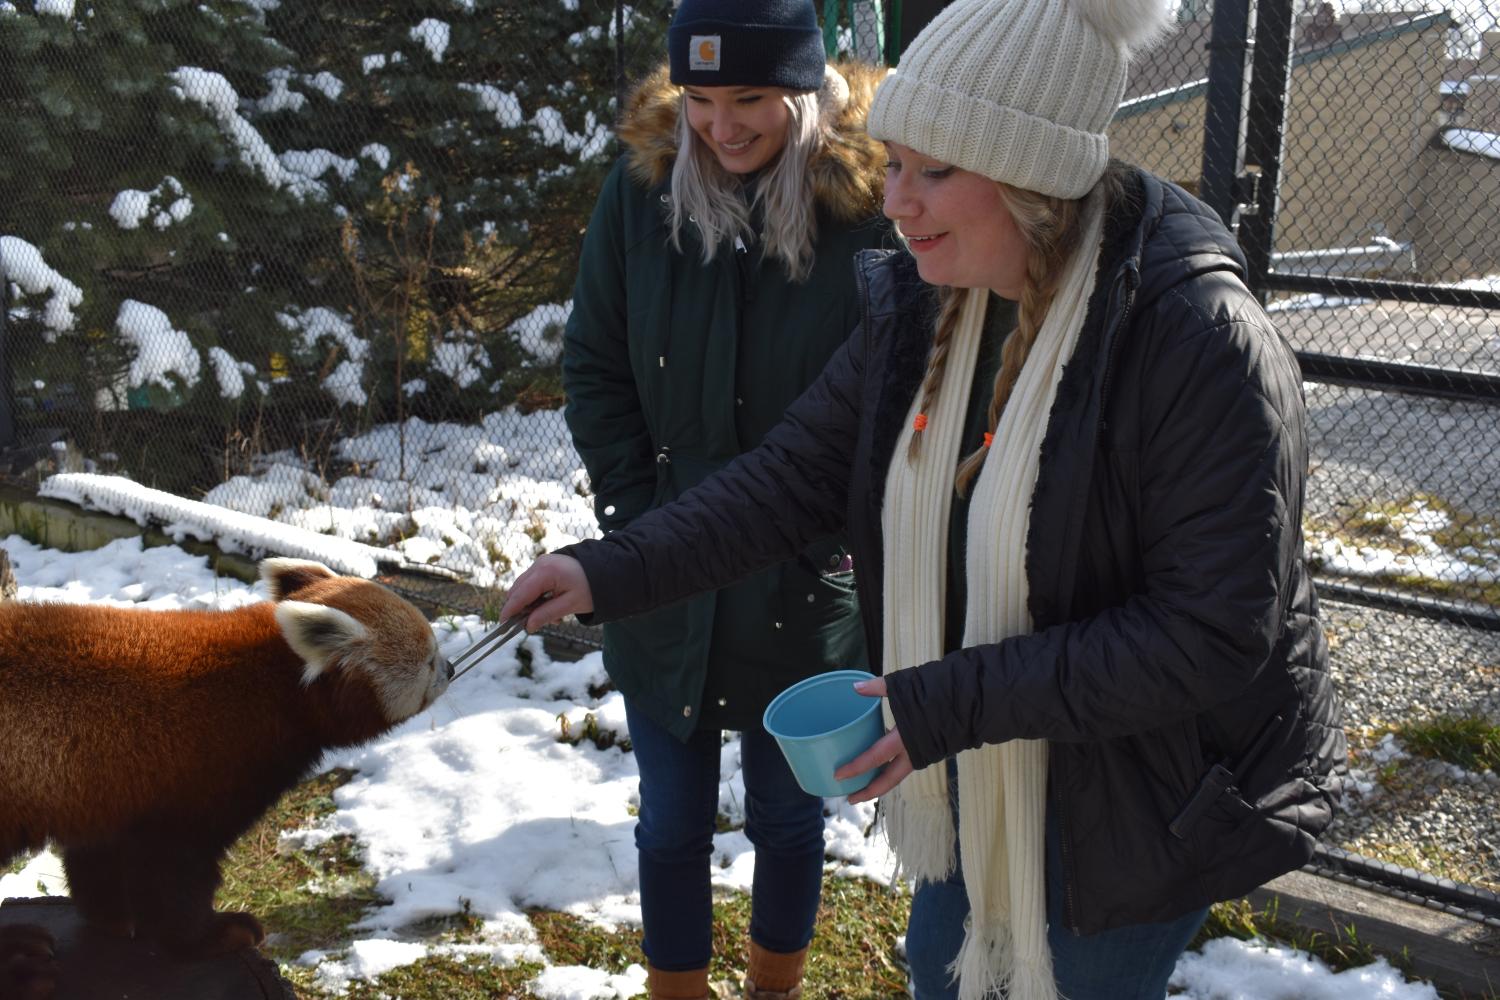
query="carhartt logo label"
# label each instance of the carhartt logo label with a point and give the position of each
(703, 52)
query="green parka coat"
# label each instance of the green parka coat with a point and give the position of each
(673, 367)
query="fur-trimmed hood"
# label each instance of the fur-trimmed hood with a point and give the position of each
(848, 175)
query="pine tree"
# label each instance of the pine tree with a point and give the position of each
(134, 175)
(307, 205)
(491, 122)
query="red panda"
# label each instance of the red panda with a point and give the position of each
(143, 743)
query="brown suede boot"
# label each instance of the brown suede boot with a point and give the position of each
(774, 975)
(689, 985)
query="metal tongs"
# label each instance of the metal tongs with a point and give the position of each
(503, 632)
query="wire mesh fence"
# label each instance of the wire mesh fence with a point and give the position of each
(1356, 148)
(312, 262)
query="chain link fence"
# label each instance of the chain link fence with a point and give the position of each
(312, 262)
(1357, 149)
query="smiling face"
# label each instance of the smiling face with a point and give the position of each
(744, 126)
(955, 222)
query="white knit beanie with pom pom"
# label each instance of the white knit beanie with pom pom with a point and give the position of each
(1018, 90)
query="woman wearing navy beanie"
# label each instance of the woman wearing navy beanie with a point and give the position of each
(716, 280)
(1069, 448)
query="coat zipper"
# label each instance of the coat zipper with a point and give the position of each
(1130, 278)
(861, 591)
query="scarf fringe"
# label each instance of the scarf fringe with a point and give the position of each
(983, 965)
(987, 966)
(919, 830)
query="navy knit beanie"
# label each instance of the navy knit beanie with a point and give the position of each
(746, 43)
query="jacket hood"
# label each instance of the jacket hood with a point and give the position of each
(1178, 238)
(848, 175)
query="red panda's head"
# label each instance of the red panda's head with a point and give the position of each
(360, 630)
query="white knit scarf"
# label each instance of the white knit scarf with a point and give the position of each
(1002, 787)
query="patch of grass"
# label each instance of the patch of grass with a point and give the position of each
(1472, 742)
(1463, 590)
(463, 927)
(273, 884)
(431, 979)
(568, 940)
(853, 954)
(1388, 526)
(1339, 948)
(590, 730)
(854, 951)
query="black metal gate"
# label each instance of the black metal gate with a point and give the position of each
(1354, 153)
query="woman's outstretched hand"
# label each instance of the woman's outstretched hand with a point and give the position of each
(889, 751)
(561, 581)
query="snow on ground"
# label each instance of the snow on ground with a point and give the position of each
(477, 800)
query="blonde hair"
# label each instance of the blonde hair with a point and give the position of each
(1050, 227)
(707, 195)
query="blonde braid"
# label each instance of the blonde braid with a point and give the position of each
(1050, 228)
(950, 305)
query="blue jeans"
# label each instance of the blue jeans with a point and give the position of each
(1124, 963)
(674, 837)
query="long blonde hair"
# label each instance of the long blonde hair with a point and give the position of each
(708, 196)
(1050, 228)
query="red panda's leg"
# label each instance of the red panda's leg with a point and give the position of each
(28, 969)
(184, 889)
(98, 879)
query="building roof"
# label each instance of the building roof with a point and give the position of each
(1177, 69)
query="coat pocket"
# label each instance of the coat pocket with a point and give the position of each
(817, 588)
(1217, 791)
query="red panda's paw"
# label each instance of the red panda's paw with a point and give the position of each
(28, 967)
(225, 933)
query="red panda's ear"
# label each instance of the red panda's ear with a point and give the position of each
(318, 634)
(284, 577)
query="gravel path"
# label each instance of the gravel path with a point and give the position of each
(1391, 670)
(1370, 449)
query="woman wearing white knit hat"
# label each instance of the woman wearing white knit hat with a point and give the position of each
(1070, 452)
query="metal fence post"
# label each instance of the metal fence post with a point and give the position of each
(619, 59)
(892, 32)
(1265, 134)
(7, 413)
(1224, 125)
(911, 17)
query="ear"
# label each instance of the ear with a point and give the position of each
(317, 633)
(284, 577)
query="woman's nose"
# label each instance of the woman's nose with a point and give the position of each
(723, 128)
(897, 204)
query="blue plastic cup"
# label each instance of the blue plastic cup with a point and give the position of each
(821, 724)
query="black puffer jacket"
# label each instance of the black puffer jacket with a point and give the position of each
(1177, 648)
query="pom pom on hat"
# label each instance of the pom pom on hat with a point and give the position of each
(1135, 25)
(1018, 90)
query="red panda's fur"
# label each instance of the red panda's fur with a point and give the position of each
(143, 743)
